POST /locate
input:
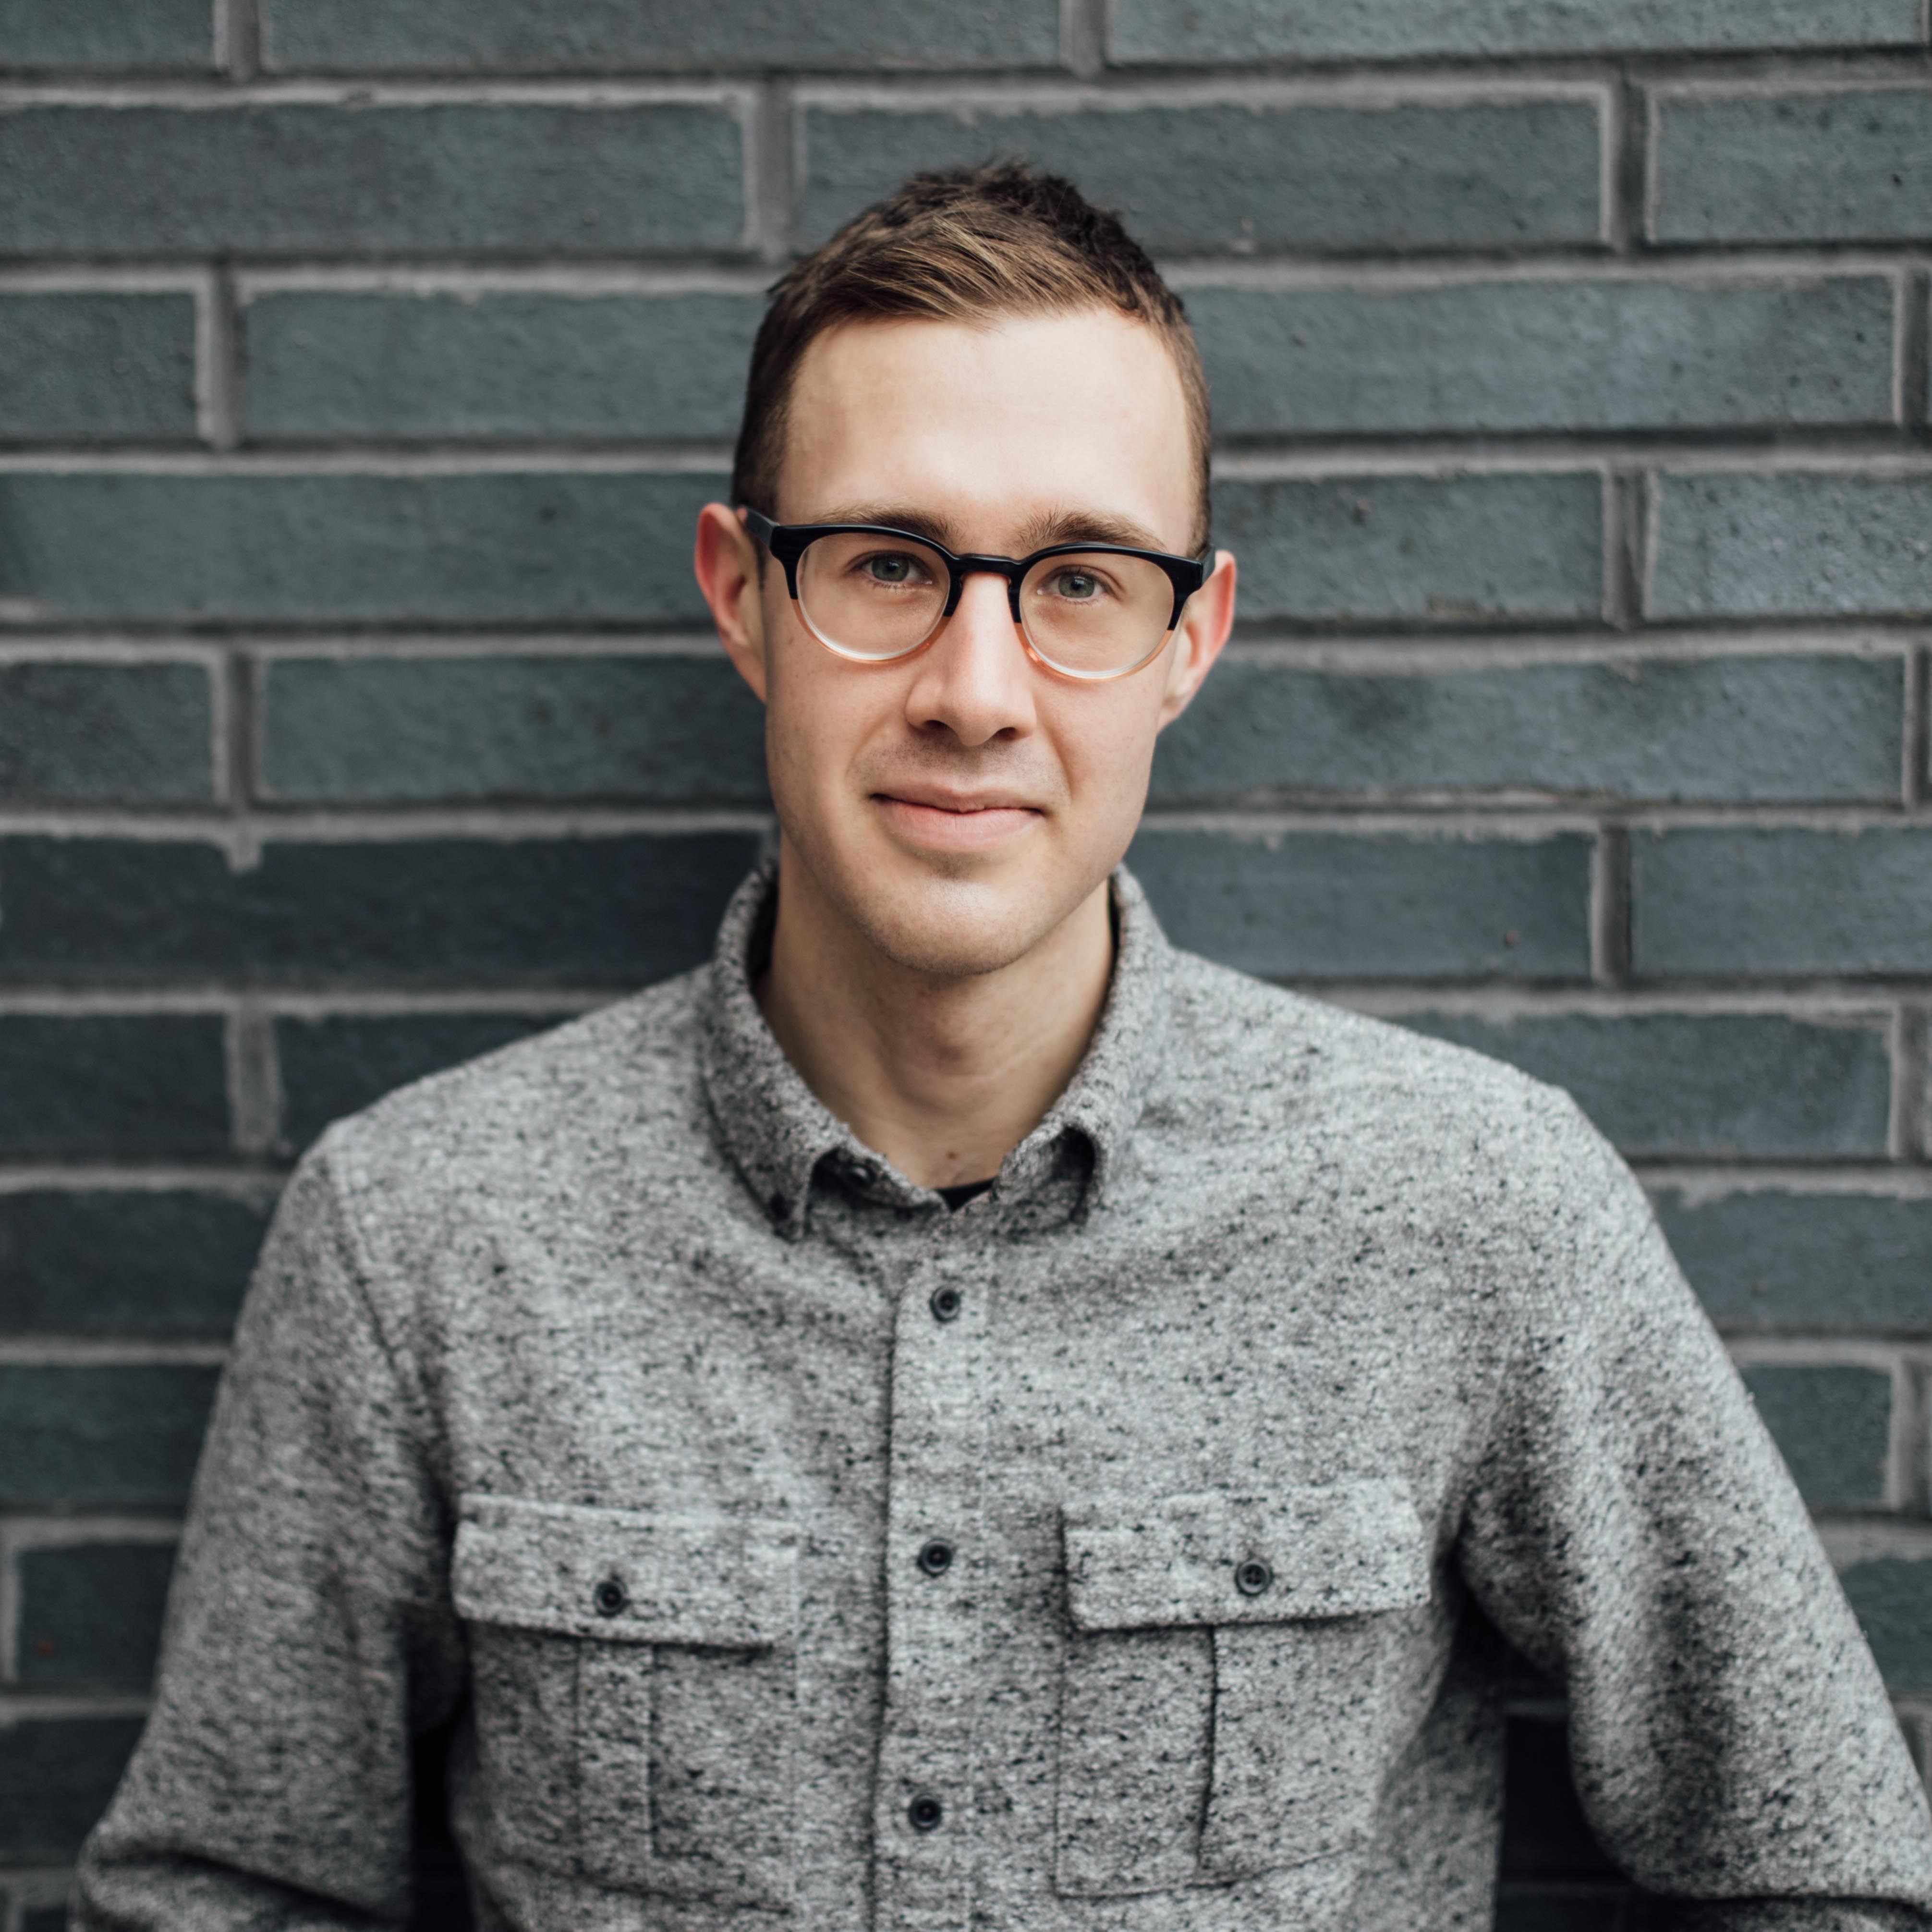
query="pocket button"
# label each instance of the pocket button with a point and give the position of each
(609, 1597)
(935, 1558)
(1252, 1577)
(926, 1812)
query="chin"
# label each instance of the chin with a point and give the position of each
(949, 929)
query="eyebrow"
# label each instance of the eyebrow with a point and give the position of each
(1042, 533)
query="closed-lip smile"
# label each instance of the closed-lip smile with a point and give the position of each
(935, 815)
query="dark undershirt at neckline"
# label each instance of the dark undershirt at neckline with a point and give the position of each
(956, 1197)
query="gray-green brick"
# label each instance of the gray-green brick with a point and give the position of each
(1594, 355)
(75, 731)
(1772, 1258)
(287, 177)
(90, 1613)
(368, 36)
(1184, 31)
(96, 366)
(495, 365)
(147, 34)
(1745, 900)
(1832, 1424)
(1745, 729)
(1322, 905)
(1794, 165)
(524, 545)
(106, 1436)
(1755, 1086)
(1452, 550)
(612, 911)
(665, 729)
(110, 1083)
(1791, 544)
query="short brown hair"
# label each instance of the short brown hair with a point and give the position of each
(960, 245)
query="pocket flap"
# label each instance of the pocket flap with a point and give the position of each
(1338, 1550)
(623, 1575)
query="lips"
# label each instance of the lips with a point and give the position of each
(954, 821)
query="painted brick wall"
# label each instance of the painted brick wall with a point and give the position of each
(362, 362)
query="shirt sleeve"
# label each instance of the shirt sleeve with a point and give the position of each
(309, 1635)
(1632, 1531)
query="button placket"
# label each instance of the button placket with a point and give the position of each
(934, 1572)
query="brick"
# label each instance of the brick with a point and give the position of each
(123, 1436)
(1832, 1425)
(1837, 165)
(1525, 355)
(682, 730)
(1237, 176)
(133, 1261)
(136, 733)
(1545, 1834)
(86, 368)
(56, 1776)
(548, 545)
(284, 178)
(1181, 31)
(599, 911)
(1744, 730)
(157, 34)
(1772, 1259)
(1460, 549)
(1892, 1596)
(333, 1067)
(91, 1612)
(1320, 905)
(527, 35)
(322, 363)
(100, 1083)
(1754, 1084)
(1794, 544)
(1742, 900)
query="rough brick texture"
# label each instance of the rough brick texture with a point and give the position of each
(364, 363)
(91, 1612)
(1569, 354)
(106, 368)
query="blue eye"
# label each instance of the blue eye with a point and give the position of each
(894, 567)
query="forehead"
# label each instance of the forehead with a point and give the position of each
(992, 425)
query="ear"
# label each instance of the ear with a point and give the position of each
(726, 562)
(1204, 628)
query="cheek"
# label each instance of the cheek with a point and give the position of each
(1106, 750)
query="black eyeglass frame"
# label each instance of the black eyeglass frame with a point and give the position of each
(788, 542)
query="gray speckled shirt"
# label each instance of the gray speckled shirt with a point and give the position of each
(1118, 1554)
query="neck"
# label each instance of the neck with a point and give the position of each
(942, 1075)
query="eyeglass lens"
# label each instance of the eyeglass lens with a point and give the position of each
(1089, 614)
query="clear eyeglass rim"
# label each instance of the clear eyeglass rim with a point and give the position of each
(788, 542)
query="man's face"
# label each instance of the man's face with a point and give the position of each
(956, 806)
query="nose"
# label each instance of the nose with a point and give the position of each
(974, 681)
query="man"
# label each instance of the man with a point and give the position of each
(957, 1414)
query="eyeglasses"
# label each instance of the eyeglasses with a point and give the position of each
(874, 594)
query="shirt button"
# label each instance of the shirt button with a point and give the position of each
(945, 1304)
(926, 1812)
(609, 1597)
(935, 1558)
(1252, 1577)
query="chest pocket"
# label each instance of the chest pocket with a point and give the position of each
(634, 1681)
(1229, 1705)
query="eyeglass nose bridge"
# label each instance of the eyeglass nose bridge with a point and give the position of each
(961, 568)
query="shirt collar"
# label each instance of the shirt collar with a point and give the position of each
(776, 1131)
